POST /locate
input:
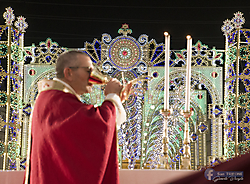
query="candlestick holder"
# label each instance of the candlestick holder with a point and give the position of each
(166, 113)
(186, 159)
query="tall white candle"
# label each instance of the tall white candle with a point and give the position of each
(188, 73)
(166, 87)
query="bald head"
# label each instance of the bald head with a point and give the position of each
(68, 59)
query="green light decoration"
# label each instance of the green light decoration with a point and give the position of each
(3, 50)
(244, 52)
(1, 148)
(3, 98)
(230, 101)
(13, 149)
(231, 55)
(14, 100)
(15, 53)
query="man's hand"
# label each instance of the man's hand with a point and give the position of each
(113, 86)
(125, 92)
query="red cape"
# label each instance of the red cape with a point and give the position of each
(72, 142)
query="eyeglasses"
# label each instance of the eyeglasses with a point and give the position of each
(88, 67)
(80, 67)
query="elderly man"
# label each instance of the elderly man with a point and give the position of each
(72, 142)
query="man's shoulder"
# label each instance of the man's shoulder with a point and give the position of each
(56, 95)
(54, 92)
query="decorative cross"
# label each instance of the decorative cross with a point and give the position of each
(125, 30)
(21, 24)
(9, 16)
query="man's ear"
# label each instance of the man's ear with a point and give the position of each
(67, 73)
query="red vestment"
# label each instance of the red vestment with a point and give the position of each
(72, 143)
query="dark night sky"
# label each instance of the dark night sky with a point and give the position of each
(71, 23)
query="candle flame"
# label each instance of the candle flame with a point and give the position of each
(188, 37)
(166, 33)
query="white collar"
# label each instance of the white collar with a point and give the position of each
(67, 86)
